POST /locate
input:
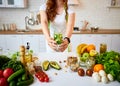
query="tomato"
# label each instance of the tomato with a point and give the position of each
(40, 72)
(1, 73)
(37, 75)
(41, 79)
(3, 82)
(89, 72)
(46, 79)
(7, 72)
(42, 76)
(45, 75)
(81, 72)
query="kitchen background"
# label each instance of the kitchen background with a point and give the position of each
(96, 12)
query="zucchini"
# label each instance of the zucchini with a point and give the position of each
(24, 76)
(19, 78)
(26, 82)
(55, 65)
(15, 74)
(12, 83)
(45, 65)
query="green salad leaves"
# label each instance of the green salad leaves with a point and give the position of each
(111, 62)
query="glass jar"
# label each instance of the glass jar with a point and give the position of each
(90, 63)
(103, 48)
(58, 37)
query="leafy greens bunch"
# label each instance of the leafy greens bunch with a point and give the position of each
(111, 62)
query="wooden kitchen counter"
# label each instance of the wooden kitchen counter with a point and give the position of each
(22, 32)
(102, 31)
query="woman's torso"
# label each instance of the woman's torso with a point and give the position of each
(58, 25)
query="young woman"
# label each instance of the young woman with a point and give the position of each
(57, 17)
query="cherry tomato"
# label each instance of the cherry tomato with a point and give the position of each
(41, 79)
(37, 75)
(46, 79)
(45, 75)
(42, 76)
(40, 72)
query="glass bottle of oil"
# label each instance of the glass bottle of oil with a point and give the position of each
(28, 56)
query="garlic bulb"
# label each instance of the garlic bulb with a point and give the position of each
(104, 79)
(110, 77)
(96, 76)
(102, 73)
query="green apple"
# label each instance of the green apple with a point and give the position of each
(84, 57)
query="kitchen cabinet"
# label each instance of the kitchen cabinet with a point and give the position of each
(2, 42)
(33, 40)
(13, 3)
(13, 42)
(73, 2)
(115, 45)
(2, 3)
(42, 43)
(104, 38)
(75, 41)
(95, 39)
(38, 42)
(90, 39)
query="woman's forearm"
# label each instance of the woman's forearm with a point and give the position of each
(44, 23)
(45, 30)
(70, 25)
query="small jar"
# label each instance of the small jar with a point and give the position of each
(103, 48)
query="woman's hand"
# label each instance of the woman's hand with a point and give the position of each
(52, 43)
(63, 46)
(59, 48)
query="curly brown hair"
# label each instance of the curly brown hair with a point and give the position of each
(51, 9)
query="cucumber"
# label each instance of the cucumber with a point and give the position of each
(12, 83)
(26, 82)
(24, 77)
(15, 74)
(19, 78)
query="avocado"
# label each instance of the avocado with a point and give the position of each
(55, 65)
(45, 65)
